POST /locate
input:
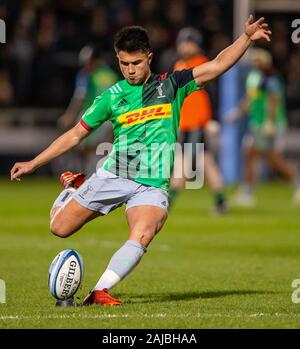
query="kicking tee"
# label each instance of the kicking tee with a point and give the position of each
(145, 121)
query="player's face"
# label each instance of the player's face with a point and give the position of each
(135, 66)
(187, 49)
(260, 64)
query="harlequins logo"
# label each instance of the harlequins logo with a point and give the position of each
(123, 102)
(86, 191)
(160, 91)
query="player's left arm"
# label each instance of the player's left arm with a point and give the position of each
(230, 55)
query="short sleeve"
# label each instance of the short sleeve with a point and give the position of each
(98, 112)
(185, 81)
(184, 84)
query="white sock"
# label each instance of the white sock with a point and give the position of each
(121, 264)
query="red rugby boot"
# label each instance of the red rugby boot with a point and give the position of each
(74, 180)
(101, 297)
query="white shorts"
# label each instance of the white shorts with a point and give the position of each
(258, 140)
(104, 192)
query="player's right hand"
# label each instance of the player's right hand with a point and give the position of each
(21, 168)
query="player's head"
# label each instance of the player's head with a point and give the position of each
(85, 55)
(90, 56)
(188, 42)
(260, 58)
(134, 54)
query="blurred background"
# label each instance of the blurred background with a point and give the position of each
(41, 61)
(235, 270)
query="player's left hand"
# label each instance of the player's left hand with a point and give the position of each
(212, 127)
(268, 128)
(257, 30)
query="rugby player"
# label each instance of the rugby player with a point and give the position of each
(196, 121)
(264, 105)
(144, 109)
(93, 78)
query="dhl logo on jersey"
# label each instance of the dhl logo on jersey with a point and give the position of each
(138, 116)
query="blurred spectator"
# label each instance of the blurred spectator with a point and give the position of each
(196, 122)
(6, 88)
(44, 71)
(44, 38)
(93, 78)
(22, 52)
(160, 39)
(176, 13)
(99, 28)
(148, 10)
(265, 106)
(280, 43)
(293, 81)
(122, 11)
(47, 32)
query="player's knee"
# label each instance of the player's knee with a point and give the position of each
(144, 235)
(59, 230)
(144, 239)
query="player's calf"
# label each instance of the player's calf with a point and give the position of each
(145, 222)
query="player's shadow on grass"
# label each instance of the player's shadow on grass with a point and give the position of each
(186, 296)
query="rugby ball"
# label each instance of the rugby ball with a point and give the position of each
(65, 274)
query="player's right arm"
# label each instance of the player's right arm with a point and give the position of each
(93, 118)
(61, 145)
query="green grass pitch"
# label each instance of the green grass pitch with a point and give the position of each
(201, 271)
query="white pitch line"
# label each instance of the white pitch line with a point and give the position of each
(158, 315)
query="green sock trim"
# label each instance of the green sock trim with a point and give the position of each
(219, 198)
(172, 195)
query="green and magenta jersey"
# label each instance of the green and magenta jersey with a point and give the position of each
(145, 121)
(258, 88)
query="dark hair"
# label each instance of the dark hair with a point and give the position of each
(131, 39)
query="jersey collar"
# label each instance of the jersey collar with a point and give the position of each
(153, 77)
